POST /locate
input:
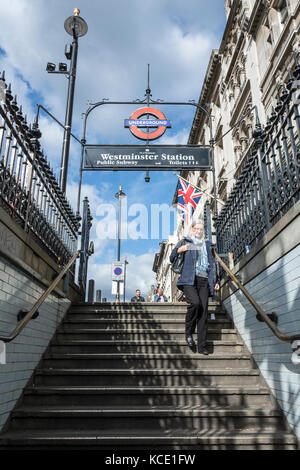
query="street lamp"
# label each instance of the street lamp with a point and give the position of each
(119, 195)
(125, 267)
(76, 27)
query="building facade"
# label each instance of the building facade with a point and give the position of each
(258, 51)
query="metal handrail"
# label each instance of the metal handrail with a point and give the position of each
(29, 315)
(269, 322)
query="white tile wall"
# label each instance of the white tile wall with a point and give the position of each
(277, 289)
(19, 291)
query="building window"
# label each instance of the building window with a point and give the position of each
(282, 9)
(268, 37)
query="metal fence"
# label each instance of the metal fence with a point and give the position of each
(87, 247)
(268, 185)
(29, 191)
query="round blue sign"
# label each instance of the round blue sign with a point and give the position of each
(118, 271)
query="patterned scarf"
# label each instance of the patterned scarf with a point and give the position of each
(202, 259)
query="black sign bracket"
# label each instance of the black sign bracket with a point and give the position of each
(146, 167)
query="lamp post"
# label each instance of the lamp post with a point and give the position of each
(125, 267)
(119, 195)
(76, 27)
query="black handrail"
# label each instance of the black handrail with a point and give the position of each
(269, 322)
(29, 315)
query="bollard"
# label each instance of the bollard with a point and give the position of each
(91, 291)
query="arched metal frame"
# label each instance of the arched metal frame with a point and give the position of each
(155, 102)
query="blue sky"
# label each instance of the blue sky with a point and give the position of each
(175, 37)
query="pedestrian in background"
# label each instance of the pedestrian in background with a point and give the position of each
(137, 297)
(159, 296)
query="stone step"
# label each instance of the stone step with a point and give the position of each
(138, 346)
(148, 377)
(139, 418)
(133, 307)
(116, 334)
(212, 397)
(136, 324)
(138, 315)
(148, 361)
(145, 439)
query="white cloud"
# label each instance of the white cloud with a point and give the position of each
(175, 37)
(139, 275)
(180, 138)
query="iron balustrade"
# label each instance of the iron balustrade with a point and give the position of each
(269, 182)
(86, 249)
(29, 191)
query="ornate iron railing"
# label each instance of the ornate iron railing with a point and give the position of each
(29, 191)
(269, 182)
(87, 247)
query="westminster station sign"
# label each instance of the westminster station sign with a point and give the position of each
(154, 157)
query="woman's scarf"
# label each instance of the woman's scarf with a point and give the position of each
(202, 259)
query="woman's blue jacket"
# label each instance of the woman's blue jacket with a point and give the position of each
(187, 276)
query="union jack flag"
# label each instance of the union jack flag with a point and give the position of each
(188, 198)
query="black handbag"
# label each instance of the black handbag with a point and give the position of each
(177, 264)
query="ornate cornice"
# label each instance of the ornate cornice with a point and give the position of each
(209, 83)
(260, 8)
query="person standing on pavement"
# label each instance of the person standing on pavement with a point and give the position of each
(160, 297)
(197, 283)
(137, 297)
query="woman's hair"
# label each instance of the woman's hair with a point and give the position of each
(199, 221)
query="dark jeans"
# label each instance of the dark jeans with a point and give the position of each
(197, 299)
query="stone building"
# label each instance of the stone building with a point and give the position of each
(258, 51)
(164, 276)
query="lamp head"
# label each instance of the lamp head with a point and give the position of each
(50, 67)
(62, 67)
(120, 194)
(75, 25)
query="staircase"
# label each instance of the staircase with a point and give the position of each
(120, 376)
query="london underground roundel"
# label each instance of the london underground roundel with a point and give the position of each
(136, 124)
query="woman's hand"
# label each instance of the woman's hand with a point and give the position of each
(182, 249)
(217, 287)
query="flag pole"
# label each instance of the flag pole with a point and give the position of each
(199, 189)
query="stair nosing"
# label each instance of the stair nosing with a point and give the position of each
(141, 342)
(148, 389)
(242, 436)
(62, 371)
(149, 355)
(145, 412)
(137, 330)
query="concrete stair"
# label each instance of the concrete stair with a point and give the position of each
(120, 376)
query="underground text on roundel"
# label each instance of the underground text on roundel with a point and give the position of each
(151, 459)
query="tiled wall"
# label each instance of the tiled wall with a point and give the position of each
(276, 289)
(20, 291)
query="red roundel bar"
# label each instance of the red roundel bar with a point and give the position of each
(147, 135)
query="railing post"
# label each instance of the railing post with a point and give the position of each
(85, 236)
(262, 180)
(207, 221)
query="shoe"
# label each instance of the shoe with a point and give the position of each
(190, 341)
(203, 351)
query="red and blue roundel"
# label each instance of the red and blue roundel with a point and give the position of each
(135, 123)
(118, 271)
